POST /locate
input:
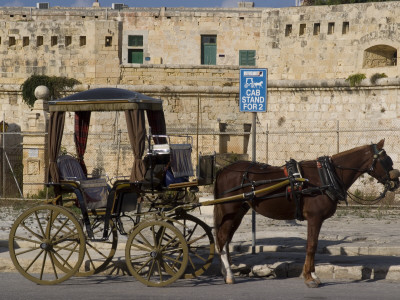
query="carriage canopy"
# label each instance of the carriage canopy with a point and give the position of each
(134, 105)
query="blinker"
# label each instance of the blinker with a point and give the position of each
(394, 174)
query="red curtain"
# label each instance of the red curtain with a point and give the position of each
(157, 125)
(82, 121)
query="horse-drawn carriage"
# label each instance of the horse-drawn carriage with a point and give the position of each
(49, 243)
(166, 242)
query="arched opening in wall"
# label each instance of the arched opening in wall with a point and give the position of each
(380, 56)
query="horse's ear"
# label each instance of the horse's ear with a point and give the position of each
(380, 144)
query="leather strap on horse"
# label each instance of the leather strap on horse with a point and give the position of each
(292, 170)
(333, 186)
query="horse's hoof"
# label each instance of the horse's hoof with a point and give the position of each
(230, 280)
(312, 284)
(316, 278)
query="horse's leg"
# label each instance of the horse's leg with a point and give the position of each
(226, 265)
(313, 229)
(226, 225)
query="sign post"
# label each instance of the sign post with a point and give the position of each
(253, 98)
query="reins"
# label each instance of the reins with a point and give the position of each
(364, 201)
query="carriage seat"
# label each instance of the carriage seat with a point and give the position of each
(156, 162)
(95, 190)
(181, 164)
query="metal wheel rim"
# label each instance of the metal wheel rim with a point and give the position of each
(53, 244)
(156, 253)
(201, 245)
(98, 251)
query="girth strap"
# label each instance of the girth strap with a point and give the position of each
(292, 170)
(334, 186)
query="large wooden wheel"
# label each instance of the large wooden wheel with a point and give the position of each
(47, 244)
(98, 253)
(156, 253)
(200, 241)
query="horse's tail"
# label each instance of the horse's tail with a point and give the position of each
(217, 212)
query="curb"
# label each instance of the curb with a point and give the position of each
(331, 250)
(285, 262)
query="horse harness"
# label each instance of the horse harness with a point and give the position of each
(331, 185)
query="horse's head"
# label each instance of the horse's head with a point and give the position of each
(382, 167)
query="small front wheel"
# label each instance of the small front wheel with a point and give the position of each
(47, 244)
(156, 253)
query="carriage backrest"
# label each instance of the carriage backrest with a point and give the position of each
(181, 160)
(70, 169)
(95, 190)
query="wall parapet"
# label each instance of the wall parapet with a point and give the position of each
(278, 84)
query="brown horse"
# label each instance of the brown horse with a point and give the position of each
(327, 181)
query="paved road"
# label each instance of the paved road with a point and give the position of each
(13, 286)
(353, 246)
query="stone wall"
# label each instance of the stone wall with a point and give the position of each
(309, 51)
(296, 43)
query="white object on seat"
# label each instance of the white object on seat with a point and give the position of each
(161, 149)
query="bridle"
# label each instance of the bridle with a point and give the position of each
(385, 161)
(379, 156)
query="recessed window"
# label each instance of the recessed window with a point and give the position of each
(25, 41)
(68, 40)
(11, 41)
(288, 30)
(135, 56)
(108, 42)
(380, 56)
(208, 49)
(82, 40)
(317, 28)
(135, 40)
(247, 57)
(331, 28)
(39, 41)
(302, 29)
(0, 40)
(345, 28)
(54, 40)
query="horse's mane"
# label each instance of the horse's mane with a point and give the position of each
(250, 167)
(350, 152)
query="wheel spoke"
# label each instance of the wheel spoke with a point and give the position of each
(54, 244)
(159, 264)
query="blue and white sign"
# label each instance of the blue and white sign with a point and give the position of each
(253, 90)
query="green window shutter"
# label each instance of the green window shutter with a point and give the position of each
(209, 56)
(135, 56)
(209, 50)
(135, 40)
(247, 57)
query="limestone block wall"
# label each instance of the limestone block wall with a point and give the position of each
(62, 48)
(174, 34)
(303, 121)
(294, 43)
(328, 42)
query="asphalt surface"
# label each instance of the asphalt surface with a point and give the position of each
(353, 245)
